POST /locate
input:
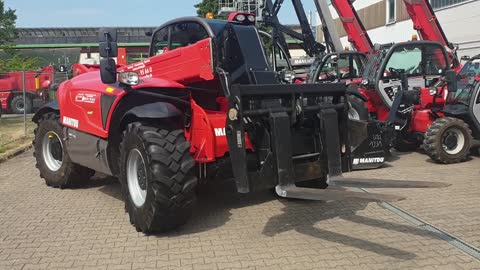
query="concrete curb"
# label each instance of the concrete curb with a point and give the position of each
(15, 152)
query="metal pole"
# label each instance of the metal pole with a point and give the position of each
(24, 103)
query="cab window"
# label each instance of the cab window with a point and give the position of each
(341, 67)
(160, 41)
(186, 33)
(416, 60)
(404, 60)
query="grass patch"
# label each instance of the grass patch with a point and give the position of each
(12, 132)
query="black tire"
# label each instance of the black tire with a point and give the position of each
(439, 136)
(68, 174)
(17, 105)
(357, 106)
(170, 181)
(405, 143)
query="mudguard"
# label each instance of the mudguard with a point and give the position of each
(157, 110)
(354, 92)
(49, 107)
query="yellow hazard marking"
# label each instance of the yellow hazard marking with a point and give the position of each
(109, 90)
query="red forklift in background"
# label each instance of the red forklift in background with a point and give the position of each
(36, 84)
(348, 66)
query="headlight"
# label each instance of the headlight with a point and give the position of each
(433, 91)
(365, 82)
(251, 18)
(130, 78)
(240, 17)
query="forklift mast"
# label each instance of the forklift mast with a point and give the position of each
(310, 45)
(332, 40)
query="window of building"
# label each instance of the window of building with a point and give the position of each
(438, 4)
(391, 11)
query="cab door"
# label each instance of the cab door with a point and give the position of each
(423, 63)
(475, 108)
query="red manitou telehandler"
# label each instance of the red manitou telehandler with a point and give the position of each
(349, 66)
(450, 138)
(205, 105)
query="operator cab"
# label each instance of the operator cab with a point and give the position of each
(423, 63)
(338, 67)
(464, 103)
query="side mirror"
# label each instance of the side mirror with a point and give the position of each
(451, 78)
(108, 48)
(108, 42)
(108, 70)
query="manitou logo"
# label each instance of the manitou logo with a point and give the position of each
(368, 160)
(70, 122)
(219, 132)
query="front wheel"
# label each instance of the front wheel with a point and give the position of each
(448, 140)
(18, 105)
(157, 177)
(357, 110)
(52, 159)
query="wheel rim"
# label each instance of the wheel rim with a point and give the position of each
(52, 148)
(136, 177)
(453, 141)
(20, 106)
(353, 114)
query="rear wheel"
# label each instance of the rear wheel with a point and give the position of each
(357, 110)
(448, 140)
(18, 105)
(52, 159)
(157, 177)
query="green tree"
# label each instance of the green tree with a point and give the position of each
(207, 6)
(8, 32)
(15, 61)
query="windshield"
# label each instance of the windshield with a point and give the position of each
(374, 62)
(466, 79)
(340, 66)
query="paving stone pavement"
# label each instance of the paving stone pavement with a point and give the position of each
(87, 228)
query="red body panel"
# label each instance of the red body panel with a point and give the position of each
(184, 65)
(122, 56)
(421, 120)
(421, 116)
(34, 81)
(79, 99)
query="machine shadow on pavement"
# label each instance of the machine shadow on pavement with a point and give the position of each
(346, 210)
(210, 214)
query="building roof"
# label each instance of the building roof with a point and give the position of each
(72, 37)
(77, 36)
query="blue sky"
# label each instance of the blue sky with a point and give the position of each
(69, 13)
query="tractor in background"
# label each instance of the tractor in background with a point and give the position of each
(36, 85)
(456, 131)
